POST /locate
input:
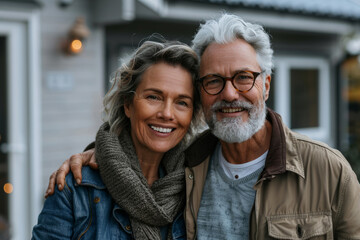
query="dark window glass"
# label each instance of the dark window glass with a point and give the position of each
(304, 87)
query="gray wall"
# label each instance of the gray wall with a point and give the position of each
(71, 113)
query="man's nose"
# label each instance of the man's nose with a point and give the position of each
(229, 93)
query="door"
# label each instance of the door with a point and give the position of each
(6, 187)
(20, 121)
(14, 208)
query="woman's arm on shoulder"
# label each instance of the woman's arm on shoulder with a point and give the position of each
(74, 163)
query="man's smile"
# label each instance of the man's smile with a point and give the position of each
(231, 110)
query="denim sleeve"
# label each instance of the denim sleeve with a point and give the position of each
(56, 218)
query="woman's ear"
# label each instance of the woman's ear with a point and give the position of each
(127, 108)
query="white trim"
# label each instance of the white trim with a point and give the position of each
(282, 90)
(158, 6)
(22, 27)
(128, 9)
(35, 140)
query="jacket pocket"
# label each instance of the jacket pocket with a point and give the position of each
(301, 226)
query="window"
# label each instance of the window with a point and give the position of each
(301, 95)
(304, 94)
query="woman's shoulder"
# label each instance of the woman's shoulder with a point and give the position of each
(90, 178)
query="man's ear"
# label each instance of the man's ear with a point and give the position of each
(267, 86)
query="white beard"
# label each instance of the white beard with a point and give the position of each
(234, 129)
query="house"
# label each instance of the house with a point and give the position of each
(51, 100)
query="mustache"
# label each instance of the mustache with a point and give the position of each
(235, 104)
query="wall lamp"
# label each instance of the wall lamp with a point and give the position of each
(77, 34)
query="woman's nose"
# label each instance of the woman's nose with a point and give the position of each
(166, 112)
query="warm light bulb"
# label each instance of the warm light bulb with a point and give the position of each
(76, 46)
(8, 188)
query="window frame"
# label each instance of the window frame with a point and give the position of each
(283, 66)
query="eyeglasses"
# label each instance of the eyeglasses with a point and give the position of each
(243, 81)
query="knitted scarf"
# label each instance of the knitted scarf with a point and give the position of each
(149, 208)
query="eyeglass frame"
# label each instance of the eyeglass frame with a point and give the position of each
(224, 79)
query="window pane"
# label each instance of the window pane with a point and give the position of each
(304, 87)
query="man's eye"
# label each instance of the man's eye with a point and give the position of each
(244, 76)
(212, 81)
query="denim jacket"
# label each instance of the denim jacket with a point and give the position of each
(87, 211)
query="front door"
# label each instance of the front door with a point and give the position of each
(14, 151)
(6, 187)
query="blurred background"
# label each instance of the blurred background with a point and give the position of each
(57, 56)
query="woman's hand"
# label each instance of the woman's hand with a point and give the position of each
(75, 163)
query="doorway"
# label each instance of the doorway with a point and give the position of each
(6, 187)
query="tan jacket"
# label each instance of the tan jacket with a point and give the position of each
(306, 191)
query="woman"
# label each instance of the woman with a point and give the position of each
(149, 110)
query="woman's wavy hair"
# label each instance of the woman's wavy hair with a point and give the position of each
(128, 77)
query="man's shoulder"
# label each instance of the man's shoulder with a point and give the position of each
(315, 153)
(201, 148)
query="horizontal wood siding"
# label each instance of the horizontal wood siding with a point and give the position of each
(70, 117)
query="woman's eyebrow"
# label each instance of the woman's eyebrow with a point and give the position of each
(160, 91)
(153, 90)
(185, 96)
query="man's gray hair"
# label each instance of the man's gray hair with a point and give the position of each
(228, 28)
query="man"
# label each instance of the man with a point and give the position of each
(249, 176)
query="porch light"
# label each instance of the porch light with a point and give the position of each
(78, 33)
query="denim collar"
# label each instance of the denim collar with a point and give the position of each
(91, 177)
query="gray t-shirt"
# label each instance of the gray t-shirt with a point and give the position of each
(226, 203)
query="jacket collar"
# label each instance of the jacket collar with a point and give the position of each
(276, 157)
(282, 155)
(200, 149)
(283, 147)
(91, 178)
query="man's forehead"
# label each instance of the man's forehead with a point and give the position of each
(236, 54)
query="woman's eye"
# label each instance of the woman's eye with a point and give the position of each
(183, 103)
(152, 97)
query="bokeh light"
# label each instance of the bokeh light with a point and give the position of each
(76, 46)
(8, 188)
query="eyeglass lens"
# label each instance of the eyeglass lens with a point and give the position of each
(242, 81)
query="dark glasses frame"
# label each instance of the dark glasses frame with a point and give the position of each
(224, 79)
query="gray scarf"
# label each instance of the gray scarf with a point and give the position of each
(148, 208)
